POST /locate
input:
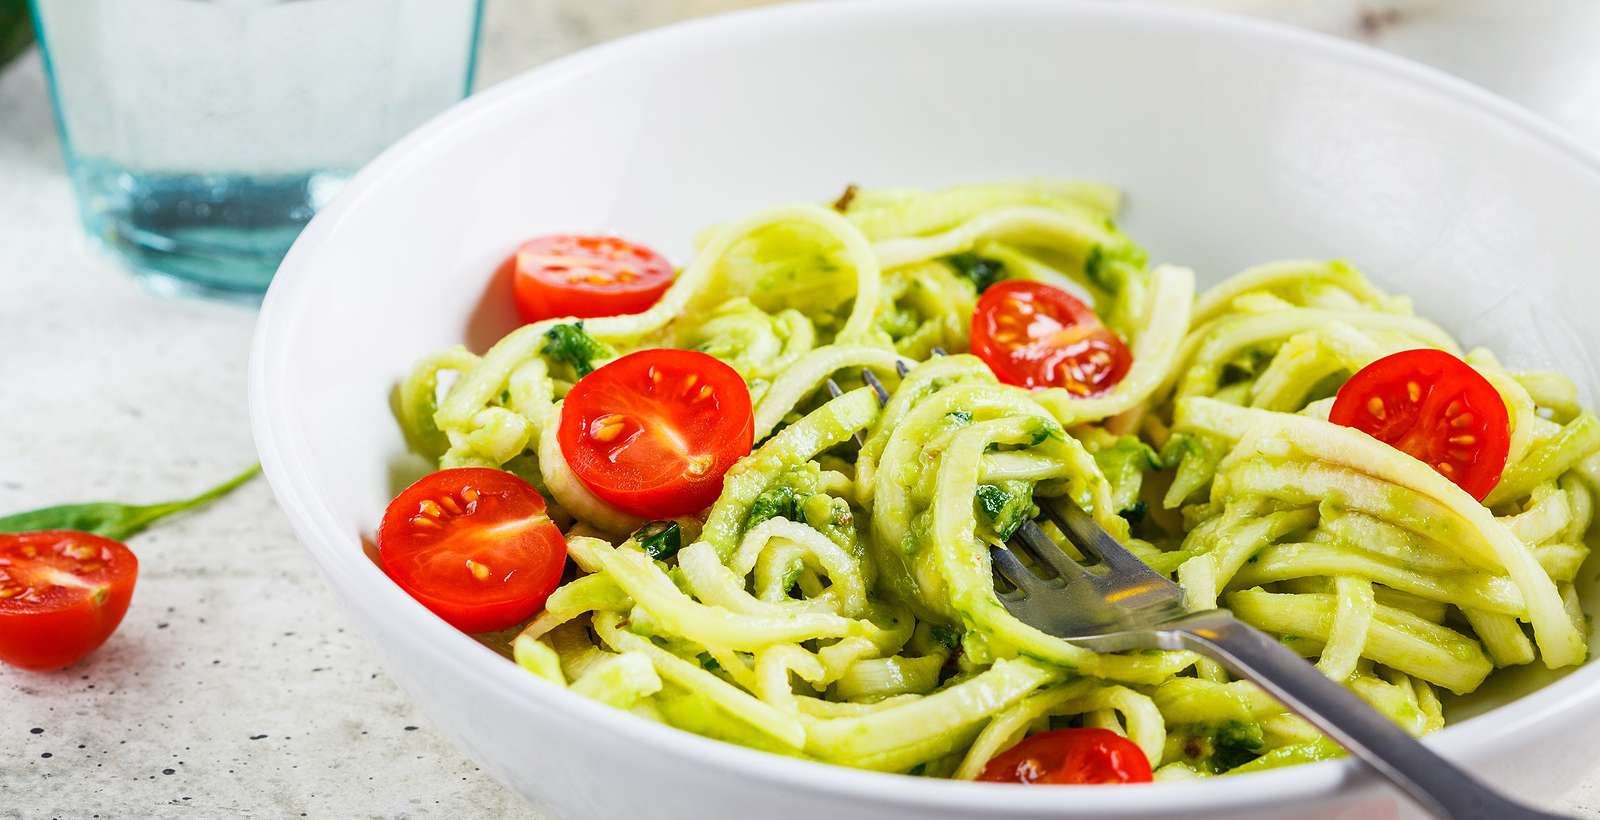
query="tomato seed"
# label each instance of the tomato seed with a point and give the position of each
(1414, 391)
(1375, 407)
(698, 465)
(607, 427)
(479, 571)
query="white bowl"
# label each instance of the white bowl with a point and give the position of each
(1238, 142)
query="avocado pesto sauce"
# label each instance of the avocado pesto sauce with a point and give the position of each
(836, 601)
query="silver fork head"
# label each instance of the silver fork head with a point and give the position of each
(1111, 605)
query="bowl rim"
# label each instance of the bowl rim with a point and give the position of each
(284, 453)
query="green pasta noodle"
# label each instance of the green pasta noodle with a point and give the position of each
(836, 601)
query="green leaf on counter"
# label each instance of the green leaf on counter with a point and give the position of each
(111, 519)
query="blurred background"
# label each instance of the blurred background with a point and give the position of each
(232, 687)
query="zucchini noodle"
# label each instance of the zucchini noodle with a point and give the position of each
(836, 601)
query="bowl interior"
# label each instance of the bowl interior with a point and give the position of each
(1236, 144)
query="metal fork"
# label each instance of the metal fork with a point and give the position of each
(1119, 604)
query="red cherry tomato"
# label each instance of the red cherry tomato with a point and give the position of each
(1437, 409)
(1070, 756)
(62, 594)
(653, 432)
(474, 546)
(1033, 335)
(587, 276)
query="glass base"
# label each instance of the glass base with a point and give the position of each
(212, 235)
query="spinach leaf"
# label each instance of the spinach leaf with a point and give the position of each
(982, 270)
(569, 343)
(112, 520)
(659, 539)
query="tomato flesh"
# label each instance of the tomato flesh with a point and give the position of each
(474, 546)
(1033, 335)
(1070, 756)
(653, 432)
(62, 594)
(586, 276)
(1434, 407)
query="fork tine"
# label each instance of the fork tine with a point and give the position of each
(877, 386)
(938, 351)
(836, 391)
(1009, 567)
(901, 368)
(1042, 548)
(1094, 541)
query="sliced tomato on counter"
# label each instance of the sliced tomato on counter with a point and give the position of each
(587, 276)
(62, 594)
(652, 433)
(1434, 407)
(1070, 756)
(474, 546)
(1034, 335)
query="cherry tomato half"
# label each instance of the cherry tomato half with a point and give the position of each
(1070, 756)
(653, 432)
(474, 546)
(62, 594)
(587, 276)
(1434, 407)
(1033, 335)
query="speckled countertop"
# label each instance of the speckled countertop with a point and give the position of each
(233, 688)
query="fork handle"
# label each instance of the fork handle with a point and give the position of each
(1436, 784)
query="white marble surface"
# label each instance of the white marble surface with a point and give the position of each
(233, 688)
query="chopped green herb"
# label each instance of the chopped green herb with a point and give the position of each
(1046, 430)
(1094, 267)
(982, 270)
(1235, 744)
(1136, 513)
(1006, 506)
(1216, 748)
(959, 416)
(570, 344)
(659, 539)
(777, 501)
(945, 636)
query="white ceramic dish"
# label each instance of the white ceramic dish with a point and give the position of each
(1238, 142)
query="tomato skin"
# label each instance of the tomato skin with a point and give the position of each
(474, 546)
(44, 625)
(1070, 756)
(653, 432)
(564, 275)
(1434, 407)
(1033, 335)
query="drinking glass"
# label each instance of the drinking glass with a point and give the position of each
(202, 135)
